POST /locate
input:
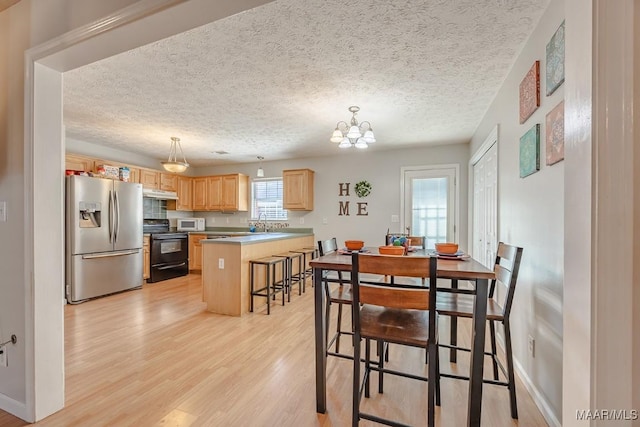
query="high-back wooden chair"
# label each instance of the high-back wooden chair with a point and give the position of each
(340, 295)
(507, 265)
(396, 314)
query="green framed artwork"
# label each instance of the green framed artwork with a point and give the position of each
(555, 60)
(530, 151)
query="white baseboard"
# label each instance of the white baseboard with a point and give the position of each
(19, 409)
(537, 397)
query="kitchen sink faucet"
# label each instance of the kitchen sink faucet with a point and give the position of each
(265, 220)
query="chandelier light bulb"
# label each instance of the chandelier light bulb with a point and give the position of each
(345, 143)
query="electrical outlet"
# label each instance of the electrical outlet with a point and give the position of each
(532, 346)
(221, 263)
(3, 211)
(3, 357)
(301, 220)
(325, 221)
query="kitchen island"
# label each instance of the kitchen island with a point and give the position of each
(225, 267)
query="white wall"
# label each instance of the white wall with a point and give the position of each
(530, 214)
(380, 168)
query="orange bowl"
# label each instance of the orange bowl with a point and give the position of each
(391, 250)
(447, 248)
(354, 245)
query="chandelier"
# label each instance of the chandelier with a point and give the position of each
(358, 135)
(172, 164)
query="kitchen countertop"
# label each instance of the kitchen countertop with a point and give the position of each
(250, 238)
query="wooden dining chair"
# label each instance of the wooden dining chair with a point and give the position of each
(456, 305)
(397, 314)
(340, 295)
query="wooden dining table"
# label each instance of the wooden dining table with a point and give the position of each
(457, 269)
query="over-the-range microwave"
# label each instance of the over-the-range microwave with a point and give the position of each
(190, 224)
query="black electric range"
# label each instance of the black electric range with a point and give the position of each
(168, 250)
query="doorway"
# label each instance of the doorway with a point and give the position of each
(139, 24)
(430, 202)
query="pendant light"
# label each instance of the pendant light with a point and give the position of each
(172, 164)
(260, 172)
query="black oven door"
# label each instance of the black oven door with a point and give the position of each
(169, 255)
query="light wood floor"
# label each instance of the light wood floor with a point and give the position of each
(156, 357)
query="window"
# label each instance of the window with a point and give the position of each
(266, 199)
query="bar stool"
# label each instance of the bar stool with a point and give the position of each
(307, 255)
(272, 285)
(291, 277)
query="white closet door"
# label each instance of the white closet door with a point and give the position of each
(485, 207)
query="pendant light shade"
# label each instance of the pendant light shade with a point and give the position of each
(172, 164)
(260, 171)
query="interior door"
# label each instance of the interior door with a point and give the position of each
(485, 207)
(430, 203)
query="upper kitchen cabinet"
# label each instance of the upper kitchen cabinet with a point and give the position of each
(226, 193)
(185, 195)
(75, 162)
(150, 179)
(200, 194)
(214, 193)
(297, 189)
(168, 182)
(235, 193)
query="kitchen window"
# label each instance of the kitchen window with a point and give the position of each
(266, 199)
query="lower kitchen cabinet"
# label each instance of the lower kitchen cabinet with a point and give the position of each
(195, 251)
(146, 271)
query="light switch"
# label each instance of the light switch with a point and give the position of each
(3, 211)
(395, 218)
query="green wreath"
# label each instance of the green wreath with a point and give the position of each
(363, 188)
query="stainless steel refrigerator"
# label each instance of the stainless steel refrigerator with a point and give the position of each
(103, 237)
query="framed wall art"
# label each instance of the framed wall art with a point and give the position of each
(554, 134)
(530, 151)
(530, 92)
(555, 61)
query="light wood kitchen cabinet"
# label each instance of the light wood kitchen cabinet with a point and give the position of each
(297, 187)
(214, 193)
(195, 251)
(76, 162)
(185, 194)
(235, 193)
(146, 271)
(168, 182)
(200, 194)
(150, 179)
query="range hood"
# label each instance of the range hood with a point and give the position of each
(159, 194)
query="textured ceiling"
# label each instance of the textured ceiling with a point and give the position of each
(273, 81)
